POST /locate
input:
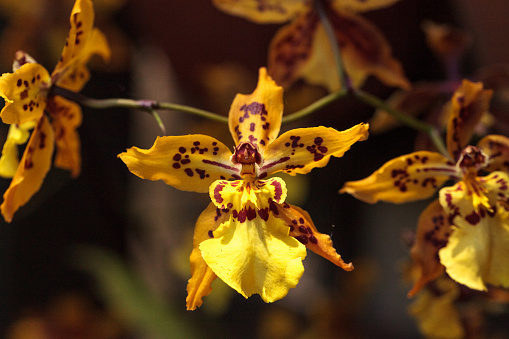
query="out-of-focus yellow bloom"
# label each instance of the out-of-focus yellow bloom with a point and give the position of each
(468, 229)
(302, 50)
(28, 100)
(248, 236)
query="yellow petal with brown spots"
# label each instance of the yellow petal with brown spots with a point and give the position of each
(433, 231)
(304, 230)
(300, 150)
(406, 178)
(25, 93)
(256, 117)
(365, 51)
(201, 275)
(263, 11)
(34, 165)
(188, 163)
(66, 118)
(467, 106)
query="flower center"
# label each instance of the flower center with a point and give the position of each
(471, 160)
(248, 156)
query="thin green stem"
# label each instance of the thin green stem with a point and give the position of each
(406, 119)
(143, 105)
(314, 106)
(344, 81)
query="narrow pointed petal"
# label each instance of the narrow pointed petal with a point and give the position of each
(252, 251)
(66, 118)
(34, 165)
(496, 147)
(433, 231)
(467, 106)
(25, 93)
(188, 163)
(365, 51)
(304, 230)
(201, 275)
(267, 11)
(17, 135)
(410, 177)
(300, 150)
(478, 249)
(256, 117)
(362, 6)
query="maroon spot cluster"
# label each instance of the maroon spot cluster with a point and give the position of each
(401, 177)
(254, 108)
(182, 159)
(317, 149)
(433, 235)
(24, 93)
(303, 233)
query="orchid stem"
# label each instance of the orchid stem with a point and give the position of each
(144, 105)
(344, 81)
(314, 106)
(408, 120)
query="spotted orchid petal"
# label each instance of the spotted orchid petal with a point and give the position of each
(17, 135)
(34, 165)
(496, 147)
(66, 118)
(256, 117)
(263, 11)
(433, 230)
(25, 93)
(304, 230)
(467, 106)
(478, 249)
(202, 275)
(252, 251)
(82, 42)
(365, 51)
(188, 163)
(300, 150)
(410, 177)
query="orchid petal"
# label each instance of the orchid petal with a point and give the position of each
(256, 117)
(34, 165)
(496, 147)
(304, 230)
(362, 6)
(433, 231)
(406, 178)
(24, 92)
(365, 51)
(66, 118)
(252, 251)
(201, 275)
(300, 150)
(478, 248)
(188, 163)
(266, 11)
(467, 106)
(17, 135)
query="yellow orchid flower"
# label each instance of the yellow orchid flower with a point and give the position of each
(301, 49)
(467, 229)
(248, 236)
(28, 101)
